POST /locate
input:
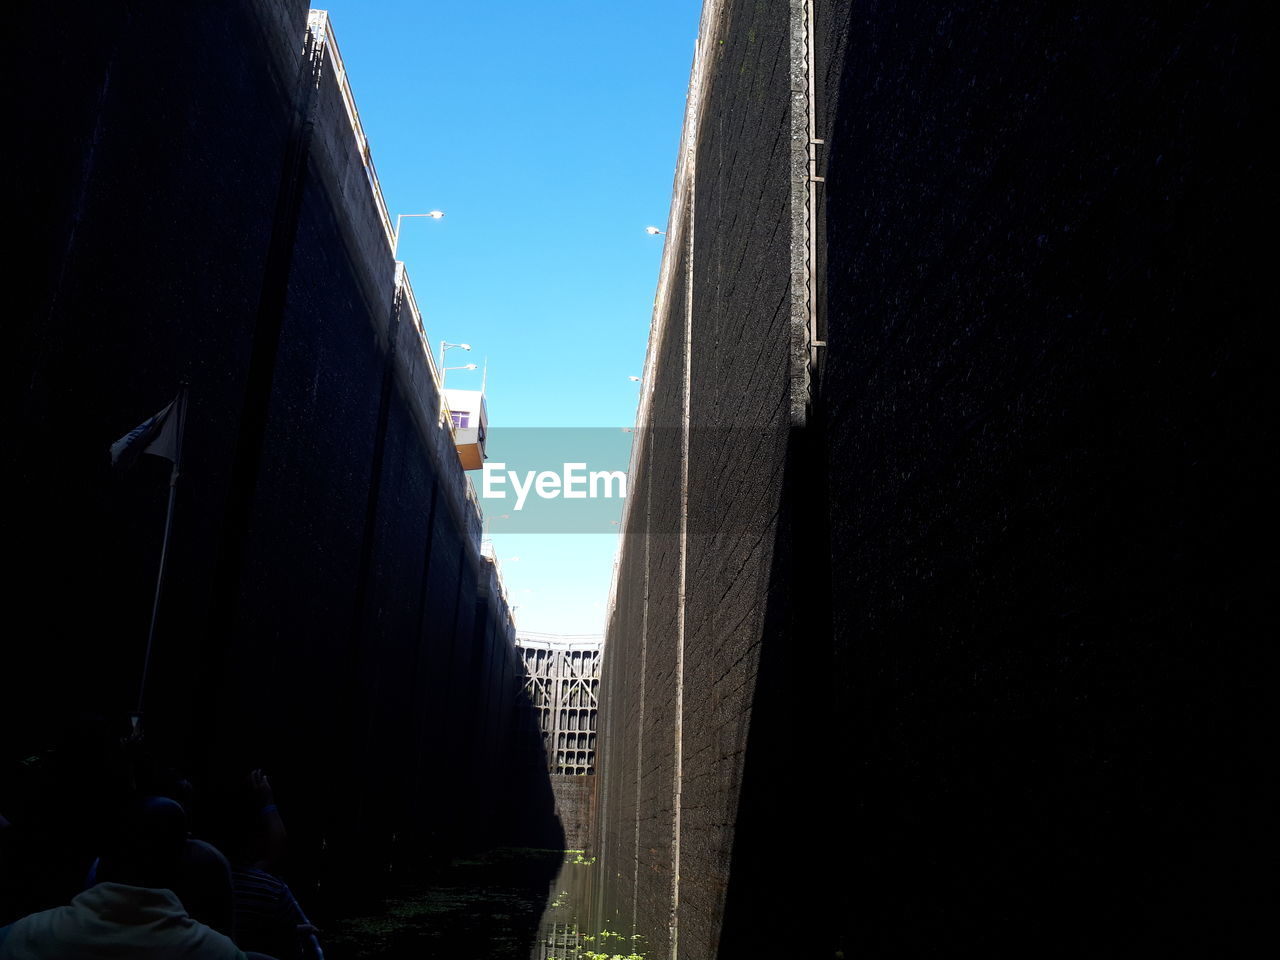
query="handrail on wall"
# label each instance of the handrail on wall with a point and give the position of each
(407, 295)
(318, 23)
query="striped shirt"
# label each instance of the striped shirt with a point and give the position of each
(266, 914)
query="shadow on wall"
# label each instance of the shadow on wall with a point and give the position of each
(1036, 712)
(326, 615)
(531, 812)
(789, 874)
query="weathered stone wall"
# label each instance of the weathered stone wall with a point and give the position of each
(194, 213)
(735, 289)
(965, 656)
(575, 806)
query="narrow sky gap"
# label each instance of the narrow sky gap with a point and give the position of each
(548, 135)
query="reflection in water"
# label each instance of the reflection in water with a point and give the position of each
(569, 918)
(557, 941)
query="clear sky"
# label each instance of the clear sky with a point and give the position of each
(547, 132)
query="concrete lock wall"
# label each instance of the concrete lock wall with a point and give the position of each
(197, 207)
(936, 630)
(575, 806)
(679, 682)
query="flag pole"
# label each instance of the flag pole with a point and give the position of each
(164, 550)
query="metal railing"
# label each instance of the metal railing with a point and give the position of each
(411, 301)
(559, 641)
(319, 24)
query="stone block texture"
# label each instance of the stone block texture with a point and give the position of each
(959, 652)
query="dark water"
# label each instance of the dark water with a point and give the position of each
(507, 904)
(572, 927)
(488, 907)
(569, 918)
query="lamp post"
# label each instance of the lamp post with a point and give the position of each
(446, 345)
(444, 370)
(395, 245)
(654, 232)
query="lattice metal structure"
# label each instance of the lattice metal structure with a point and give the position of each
(559, 941)
(562, 681)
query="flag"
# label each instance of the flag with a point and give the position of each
(156, 435)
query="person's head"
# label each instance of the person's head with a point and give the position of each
(147, 849)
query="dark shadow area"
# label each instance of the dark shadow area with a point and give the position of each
(1043, 440)
(484, 906)
(70, 803)
(791, 849)
(327, 617)
(482, 902)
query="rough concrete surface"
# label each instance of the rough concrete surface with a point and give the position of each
(970, 658)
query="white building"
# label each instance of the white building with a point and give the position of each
(470, 423)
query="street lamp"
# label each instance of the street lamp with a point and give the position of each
(444, 370)
(395, 245)
(654, 232)
(634, 379)
(446, 345)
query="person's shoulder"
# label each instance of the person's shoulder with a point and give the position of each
(201, 857)
(215, 946)
(204, 850)
(22, 938)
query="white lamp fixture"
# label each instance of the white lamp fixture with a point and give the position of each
(395, 243)
(446, 345)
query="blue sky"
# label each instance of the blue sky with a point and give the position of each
(547, 132)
